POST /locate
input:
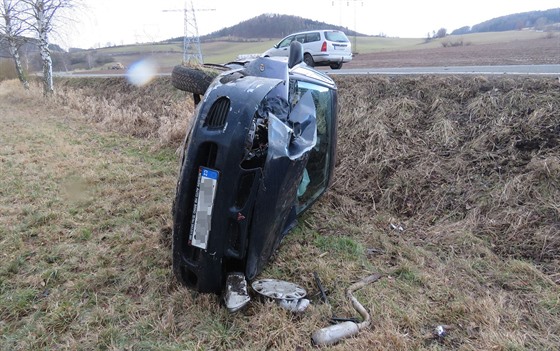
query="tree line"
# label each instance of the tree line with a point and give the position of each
(273, 26)
(533, 19)
(22, 19)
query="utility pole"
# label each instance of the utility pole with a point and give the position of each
(355, 48)
(192, 54)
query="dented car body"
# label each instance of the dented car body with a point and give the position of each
(260, 151)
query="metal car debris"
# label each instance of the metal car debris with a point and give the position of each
(279, 289)
(332, 334)
(288, 295)
(236, 295)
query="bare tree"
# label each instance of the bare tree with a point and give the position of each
(11, 31)
(41, 20)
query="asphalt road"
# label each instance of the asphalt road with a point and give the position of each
(549, 70)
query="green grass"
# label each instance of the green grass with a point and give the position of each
(341, 246)
(367, 45)
(141, 48)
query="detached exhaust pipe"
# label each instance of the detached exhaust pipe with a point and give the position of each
(332, 334)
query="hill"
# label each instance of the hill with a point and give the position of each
(268, 26)
(260, 33)
(29, 46)
(534, 19)
(29, 54)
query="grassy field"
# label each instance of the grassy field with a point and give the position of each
(481, 48)
(469, 168)
(168, 55)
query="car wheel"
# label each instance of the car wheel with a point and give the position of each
(337, 65)
(308, 59)
(191, 79)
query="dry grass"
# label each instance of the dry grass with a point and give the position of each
(481, 152)
(7, 69)
(118, 105)
(84, 231)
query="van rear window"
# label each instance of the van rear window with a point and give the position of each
(338, 37)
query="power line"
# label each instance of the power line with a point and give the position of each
(355, 2)
(192, 53)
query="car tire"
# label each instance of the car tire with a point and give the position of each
(308, 59)
(337, 65)
(193, 79)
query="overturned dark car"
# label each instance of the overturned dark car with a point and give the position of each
(260, 151)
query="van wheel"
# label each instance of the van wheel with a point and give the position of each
(308, 59)
(337, 65)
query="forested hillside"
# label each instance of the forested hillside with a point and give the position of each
(28, 46)
(268, 26)
(273, 26)
(540, 20)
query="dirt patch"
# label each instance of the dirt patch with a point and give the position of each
(520, 52)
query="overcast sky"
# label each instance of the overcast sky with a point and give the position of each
(133, 21)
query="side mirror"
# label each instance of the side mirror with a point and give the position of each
(296, 54)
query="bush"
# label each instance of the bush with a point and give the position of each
(441, 33)
(458, 42)
(89, 60)
(77, 59)
(7, 69)
(103, 59)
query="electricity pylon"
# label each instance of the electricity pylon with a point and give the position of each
(192, 54)
(355, 47)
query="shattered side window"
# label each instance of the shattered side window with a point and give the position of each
(315, 177)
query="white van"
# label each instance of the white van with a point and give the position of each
(320, 47)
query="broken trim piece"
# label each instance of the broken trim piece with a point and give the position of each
(236, 295)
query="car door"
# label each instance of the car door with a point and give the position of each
(295, 175)
(312, 43)
(282, 48)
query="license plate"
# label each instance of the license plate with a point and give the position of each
(203, 204)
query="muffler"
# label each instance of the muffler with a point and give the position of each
(332, 334)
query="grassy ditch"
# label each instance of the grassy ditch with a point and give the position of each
(156, 110)
(447, 185)
(481, 154)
